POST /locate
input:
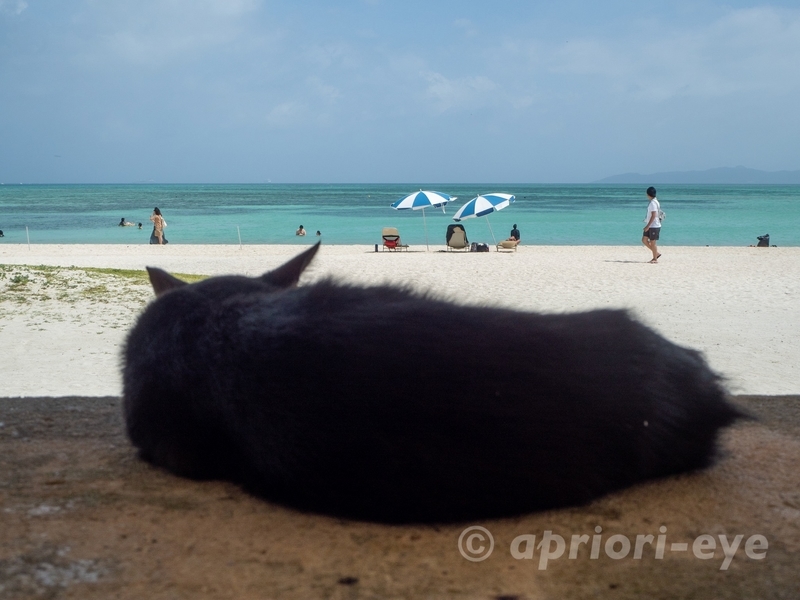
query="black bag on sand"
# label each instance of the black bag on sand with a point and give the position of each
(763, 241)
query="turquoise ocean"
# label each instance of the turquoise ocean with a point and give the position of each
(697, 215)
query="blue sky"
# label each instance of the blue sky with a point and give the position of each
(393, 91)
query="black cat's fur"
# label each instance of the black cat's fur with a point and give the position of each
(382, 404)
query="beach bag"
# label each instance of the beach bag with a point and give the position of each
(481, 247)
(661, 214)
(763, 241)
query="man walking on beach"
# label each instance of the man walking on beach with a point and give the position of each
(652, 227)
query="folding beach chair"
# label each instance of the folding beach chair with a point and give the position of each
(391, 239)
(507, 245)
(457, 237)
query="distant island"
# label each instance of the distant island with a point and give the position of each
(734, 175)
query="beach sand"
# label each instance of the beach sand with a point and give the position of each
(82, 517)
(739, 306)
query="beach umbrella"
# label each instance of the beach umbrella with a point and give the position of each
(420, 201)
(483, 206)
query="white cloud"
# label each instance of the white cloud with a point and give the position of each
(295, 70)
(320, 89)
(13, 7)
(159, 32)
(746, 50)
(227, 8)
(520, 102)
(327, 55)
(467, 26)
(286, 114)
(461, 93)
(590, 57)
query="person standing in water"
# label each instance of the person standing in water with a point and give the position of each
(652, 228)
(158, 227)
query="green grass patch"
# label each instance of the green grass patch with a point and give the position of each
(138, 275)
(27, 283)
(19, 280)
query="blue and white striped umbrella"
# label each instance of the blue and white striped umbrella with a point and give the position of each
(420, 201)
(483, 206)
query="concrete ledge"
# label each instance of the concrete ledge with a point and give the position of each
(82, 517)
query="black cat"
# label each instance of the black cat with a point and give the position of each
(384, 404)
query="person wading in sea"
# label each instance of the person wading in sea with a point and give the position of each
(158, 227)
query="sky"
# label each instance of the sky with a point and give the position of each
(405, 91)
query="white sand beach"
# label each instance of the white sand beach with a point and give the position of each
(739, 306)
(82, 517)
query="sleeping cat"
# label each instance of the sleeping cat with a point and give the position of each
(384, 404)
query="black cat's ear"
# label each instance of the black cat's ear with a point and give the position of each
(289, 273)
(162, 281)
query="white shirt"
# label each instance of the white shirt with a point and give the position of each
(655, 207)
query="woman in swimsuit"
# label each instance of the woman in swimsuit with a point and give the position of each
(158, 225)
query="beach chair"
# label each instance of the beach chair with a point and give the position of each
(391, 239)
(456, 237)
(507, 245)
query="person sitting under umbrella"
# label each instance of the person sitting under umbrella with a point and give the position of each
(452, 227)
(514, 236)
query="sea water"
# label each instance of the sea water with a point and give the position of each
(697, 215)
